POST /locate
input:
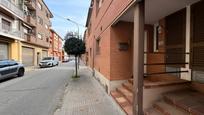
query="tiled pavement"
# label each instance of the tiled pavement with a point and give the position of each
(85, 96)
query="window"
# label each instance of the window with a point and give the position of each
(40, 20)
(46, 26)
(98, 5)
(40, 36)
(175, 38)
(98, 46)
(47, 14)
(156, 38)
(197, 39)
(39, 5)
(3, 64)
(6, 25)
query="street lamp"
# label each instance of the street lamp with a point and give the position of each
(77, 24)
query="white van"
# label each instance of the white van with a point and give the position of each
(49, 62)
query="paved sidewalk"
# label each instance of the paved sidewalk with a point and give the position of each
(86, 97)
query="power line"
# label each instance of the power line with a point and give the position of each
(59, 16)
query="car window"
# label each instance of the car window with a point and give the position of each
(3, 64)
(12, 63)
(47, 58)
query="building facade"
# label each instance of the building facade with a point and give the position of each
(36, 28)
(56, 45)
(144, 52)
(25, 26)
(11, 17)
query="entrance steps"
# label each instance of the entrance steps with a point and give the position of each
(123, 95)
(181, 102)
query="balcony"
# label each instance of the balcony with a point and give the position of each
(31, 4)
(30, 20)
(12, 8)
(29, 38)
(11, 33)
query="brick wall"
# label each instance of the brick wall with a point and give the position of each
(108, 64)
(121, 61)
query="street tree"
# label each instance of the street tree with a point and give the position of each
(76, 47)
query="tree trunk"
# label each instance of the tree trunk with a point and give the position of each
(78, 62)
(76, 75)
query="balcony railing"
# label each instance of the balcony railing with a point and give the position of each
(29, 38)
(12, 8)
(31, 4)
(11, 32)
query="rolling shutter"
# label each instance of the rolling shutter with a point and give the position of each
(3, 51)
(44, 53)
(28, 56)
(175, 37)
(197, 36)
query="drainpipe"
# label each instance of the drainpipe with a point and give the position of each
(138, 57)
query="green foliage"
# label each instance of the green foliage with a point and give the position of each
(74, 46)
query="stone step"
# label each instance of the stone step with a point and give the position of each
(152, 111)
(155, 84)
(168, 109)
(188, 100)
(128, 86)
(126, 93)
(122, 101)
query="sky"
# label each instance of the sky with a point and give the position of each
(76, 10)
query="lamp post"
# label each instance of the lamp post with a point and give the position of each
(77, 24)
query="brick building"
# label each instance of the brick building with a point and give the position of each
(11, 17)
(36, 28)
(140, 50)
(24, 30)
(56, 45)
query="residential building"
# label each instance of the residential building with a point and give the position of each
(36, 28)
(56, 45)
(148, 54)
(11, 17)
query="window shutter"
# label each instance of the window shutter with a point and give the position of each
(197, 36)
(175, 37)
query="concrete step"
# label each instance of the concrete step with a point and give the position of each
(122, 102)
(168, 109)
(126, 93)
(156, 84)
(152, 111)
(188, 100)
(128, 86)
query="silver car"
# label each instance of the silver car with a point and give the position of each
(10, 68)
(49, 62)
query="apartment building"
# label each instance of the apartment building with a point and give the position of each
(148, 54)
(36, 28)
(24, 30)
(56, 45)
(11, 17)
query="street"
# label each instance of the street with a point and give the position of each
(37, 93)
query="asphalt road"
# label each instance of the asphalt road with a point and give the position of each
(37, 93)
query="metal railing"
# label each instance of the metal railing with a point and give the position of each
(12, 7)
(11, 31)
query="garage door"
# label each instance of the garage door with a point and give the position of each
(3, 51)
(28, 56)
(44, 53)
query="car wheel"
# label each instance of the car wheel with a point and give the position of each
(21, 72)
(52, 65)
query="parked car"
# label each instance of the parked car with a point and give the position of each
(49, 62)
(11, 68)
